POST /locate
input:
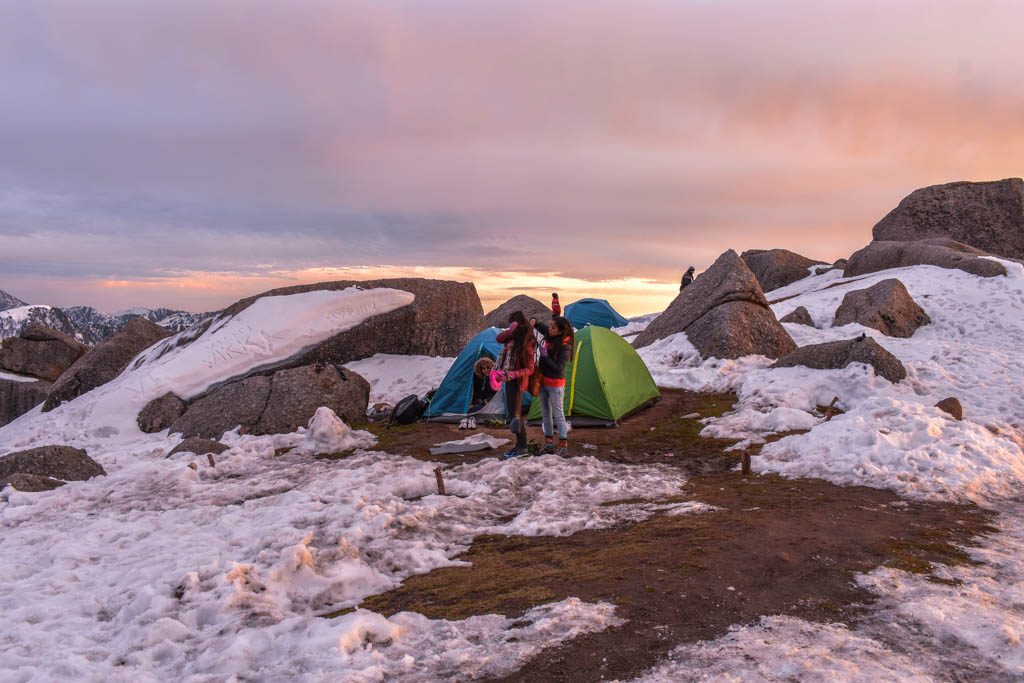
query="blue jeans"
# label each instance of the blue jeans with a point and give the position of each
(552, 400)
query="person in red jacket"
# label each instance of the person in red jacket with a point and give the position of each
(515, 365)
(555, 353)
(556, 306)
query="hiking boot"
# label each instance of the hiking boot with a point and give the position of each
(563, 448)
(549, 445)
(516, 453)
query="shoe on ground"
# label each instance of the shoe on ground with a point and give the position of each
(472, 423)
(516, 453)
(549, 448)
(563, 449)
(464, 423)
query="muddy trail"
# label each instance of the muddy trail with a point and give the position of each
(770, 546)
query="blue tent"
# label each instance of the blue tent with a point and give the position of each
(593, 312)
(452, 399)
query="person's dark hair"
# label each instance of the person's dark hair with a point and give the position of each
(519, 335)
(565, 330)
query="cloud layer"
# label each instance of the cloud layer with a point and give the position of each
(151, 150)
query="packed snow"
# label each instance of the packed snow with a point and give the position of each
(327, 433)
(393, 377)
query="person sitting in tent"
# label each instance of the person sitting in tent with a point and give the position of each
(514, 366)
(482, 391)
(687, 279)
(555, 354)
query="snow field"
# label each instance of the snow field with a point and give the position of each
(392, 377)
(890, 436)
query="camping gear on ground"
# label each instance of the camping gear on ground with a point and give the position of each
(408, 410)
(480, 441)
(605, 381)
(454, 397)
(593, 312)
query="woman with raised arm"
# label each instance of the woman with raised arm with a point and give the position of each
(515, 365)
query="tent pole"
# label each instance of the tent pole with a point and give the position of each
(572, 384)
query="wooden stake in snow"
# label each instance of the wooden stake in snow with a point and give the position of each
(209, 459)
(745, 465)
(831, 409)
(440, 481)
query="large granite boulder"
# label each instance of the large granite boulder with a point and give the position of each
(296, 393)
(886, 306)
(275, 404)
(228, 406)
(985, 215)
(62, 463)
(724, 314)
(40, 352)
(440, 321)
(776, 268)
(941, 252)
(839, 354)
(105, 362)
(160, 413)
(530, 307)
(18, 397)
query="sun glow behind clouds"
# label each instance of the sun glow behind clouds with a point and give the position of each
(208, 291)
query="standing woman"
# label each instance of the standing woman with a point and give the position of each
(555, 353)
(515, 365)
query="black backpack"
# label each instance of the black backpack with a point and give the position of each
(408, 410)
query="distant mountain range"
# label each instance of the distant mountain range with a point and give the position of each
(85, 323)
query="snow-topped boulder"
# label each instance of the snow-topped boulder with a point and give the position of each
(776, 268)
(724, 314)
(885, 306)
(839, 354)
(40, 352)
(531, 308)
(104, 362)
(941, 252)
(327, 433)
(160, 413)
(986, 215)
(228, 406)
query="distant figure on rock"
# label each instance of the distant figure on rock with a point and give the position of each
(687, 279)
(515, 364)
(556, 306)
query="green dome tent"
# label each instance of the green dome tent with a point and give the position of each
(606, 380)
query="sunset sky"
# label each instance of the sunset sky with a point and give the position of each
(188, 154)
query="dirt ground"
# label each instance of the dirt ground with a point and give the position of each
(774, 546)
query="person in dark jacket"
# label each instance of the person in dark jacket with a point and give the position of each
(515, 365)
(555, 353)
(687, 279)
(482, 391)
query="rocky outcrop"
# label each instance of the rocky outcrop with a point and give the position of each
(104, 362)
(14, 321)
(952, 406)
(231, 405)
(17, 397)
(724, 314)
(776, 268)
(8, 301)
(440, 321)
(275, 404)
(985, 215)
(295, 395)
(886, 306)
(198, 446)
(61, 463)
(40, 352)
(160, 413)
(839, 354)
(800, 316)
(30, 483)
(530, 307)
(944, 253)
